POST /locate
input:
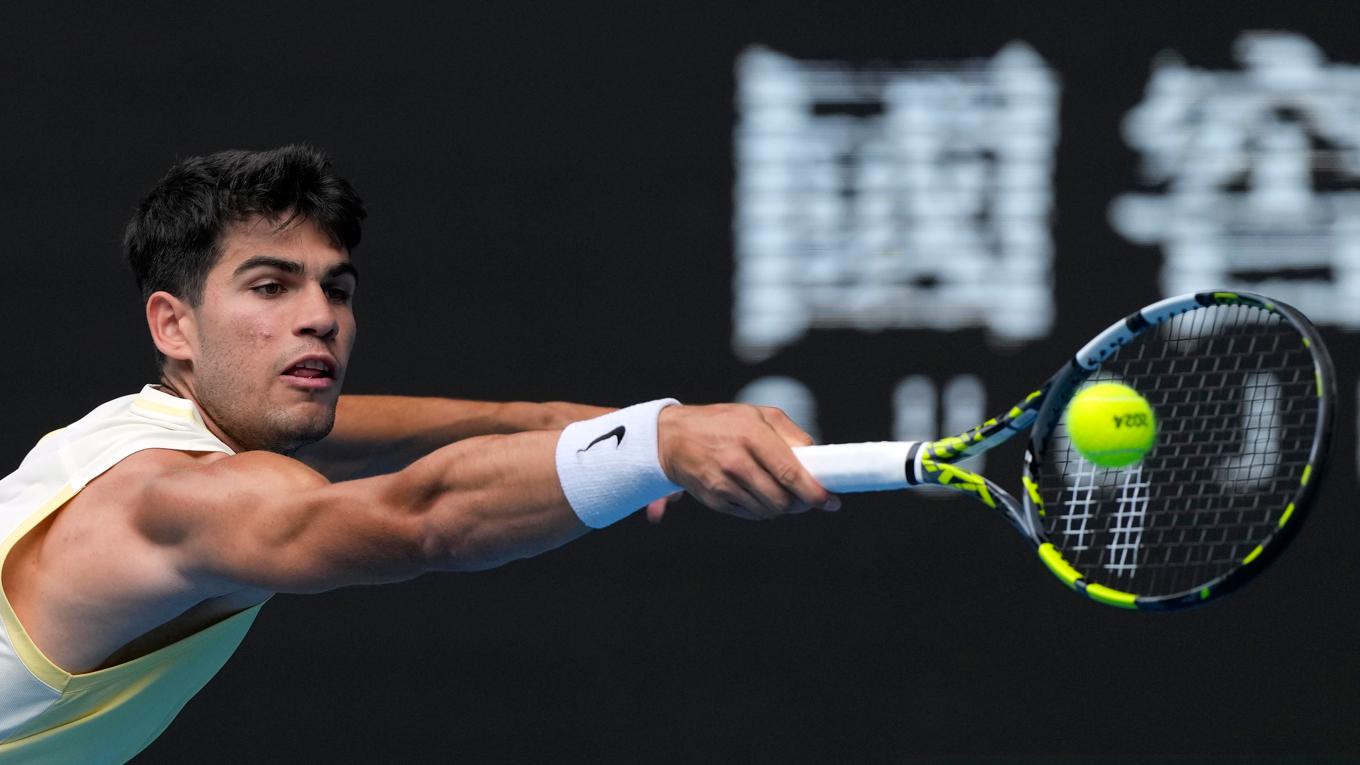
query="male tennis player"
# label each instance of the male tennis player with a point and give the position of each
(138, 543)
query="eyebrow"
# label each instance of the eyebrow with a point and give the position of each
(293, 267)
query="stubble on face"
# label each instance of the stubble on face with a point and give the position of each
(253, 422)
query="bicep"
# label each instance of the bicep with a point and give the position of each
(266, 521)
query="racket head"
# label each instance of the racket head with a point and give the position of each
(1243, 390)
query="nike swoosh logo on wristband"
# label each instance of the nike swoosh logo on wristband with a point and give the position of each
(615, 433)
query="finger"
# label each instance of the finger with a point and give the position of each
(785, 427)
(779, 462)
(774, 499)
(657, 509)
(731, 498)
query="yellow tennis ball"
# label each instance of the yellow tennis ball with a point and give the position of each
(1110, 424)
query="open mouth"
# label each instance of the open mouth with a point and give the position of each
(310, 373)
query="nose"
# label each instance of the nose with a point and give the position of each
(316, 314)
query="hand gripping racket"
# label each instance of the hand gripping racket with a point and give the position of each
(1243, 390)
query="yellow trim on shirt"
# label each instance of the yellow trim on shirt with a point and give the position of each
(42, 668)
(143, 402)
(50, 434)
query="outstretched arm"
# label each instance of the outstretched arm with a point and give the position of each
(381, 434)
(260, 520)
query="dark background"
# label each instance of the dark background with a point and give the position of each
(523, 161)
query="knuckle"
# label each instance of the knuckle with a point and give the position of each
(731, 464)
(751, 412)
(711, 498)
(787, 475)
(707, 494)
(776, 413)
(727, 494)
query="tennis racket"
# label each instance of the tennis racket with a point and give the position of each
(1243, 391)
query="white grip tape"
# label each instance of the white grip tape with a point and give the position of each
(873, 466)
(608, 466)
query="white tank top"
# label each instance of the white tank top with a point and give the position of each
(46, 713)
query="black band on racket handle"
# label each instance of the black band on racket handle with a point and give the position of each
(913, 464)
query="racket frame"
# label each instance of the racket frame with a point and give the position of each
(934, 462)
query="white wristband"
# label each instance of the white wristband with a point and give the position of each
(608, 466)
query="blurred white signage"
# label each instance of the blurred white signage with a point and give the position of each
(875, 197)
(1253, 176)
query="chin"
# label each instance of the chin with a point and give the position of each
(293, 430)
(315, 428)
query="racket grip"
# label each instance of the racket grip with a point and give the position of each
(872, 466)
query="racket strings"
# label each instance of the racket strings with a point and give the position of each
(1234, 392)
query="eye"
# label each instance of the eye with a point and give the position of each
(270, 288)
(339, 294)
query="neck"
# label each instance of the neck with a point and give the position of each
(181, 388)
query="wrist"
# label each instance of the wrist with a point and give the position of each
(556, 415)
(609, 466)
(665, 420)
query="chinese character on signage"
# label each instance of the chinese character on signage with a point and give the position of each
(1253, 176)
(874, 198)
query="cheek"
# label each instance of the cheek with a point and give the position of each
(262, 334)
(346, 334)
(246, 332)
(254, 327)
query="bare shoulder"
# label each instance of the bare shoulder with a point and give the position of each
(171, 492)
(169, 465)
(97, 560)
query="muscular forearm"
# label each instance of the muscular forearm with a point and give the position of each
(490, 500)
(518, 495)
(377, 434)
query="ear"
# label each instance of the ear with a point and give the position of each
(172, 325)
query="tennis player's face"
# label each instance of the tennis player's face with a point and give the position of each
(275, 330)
